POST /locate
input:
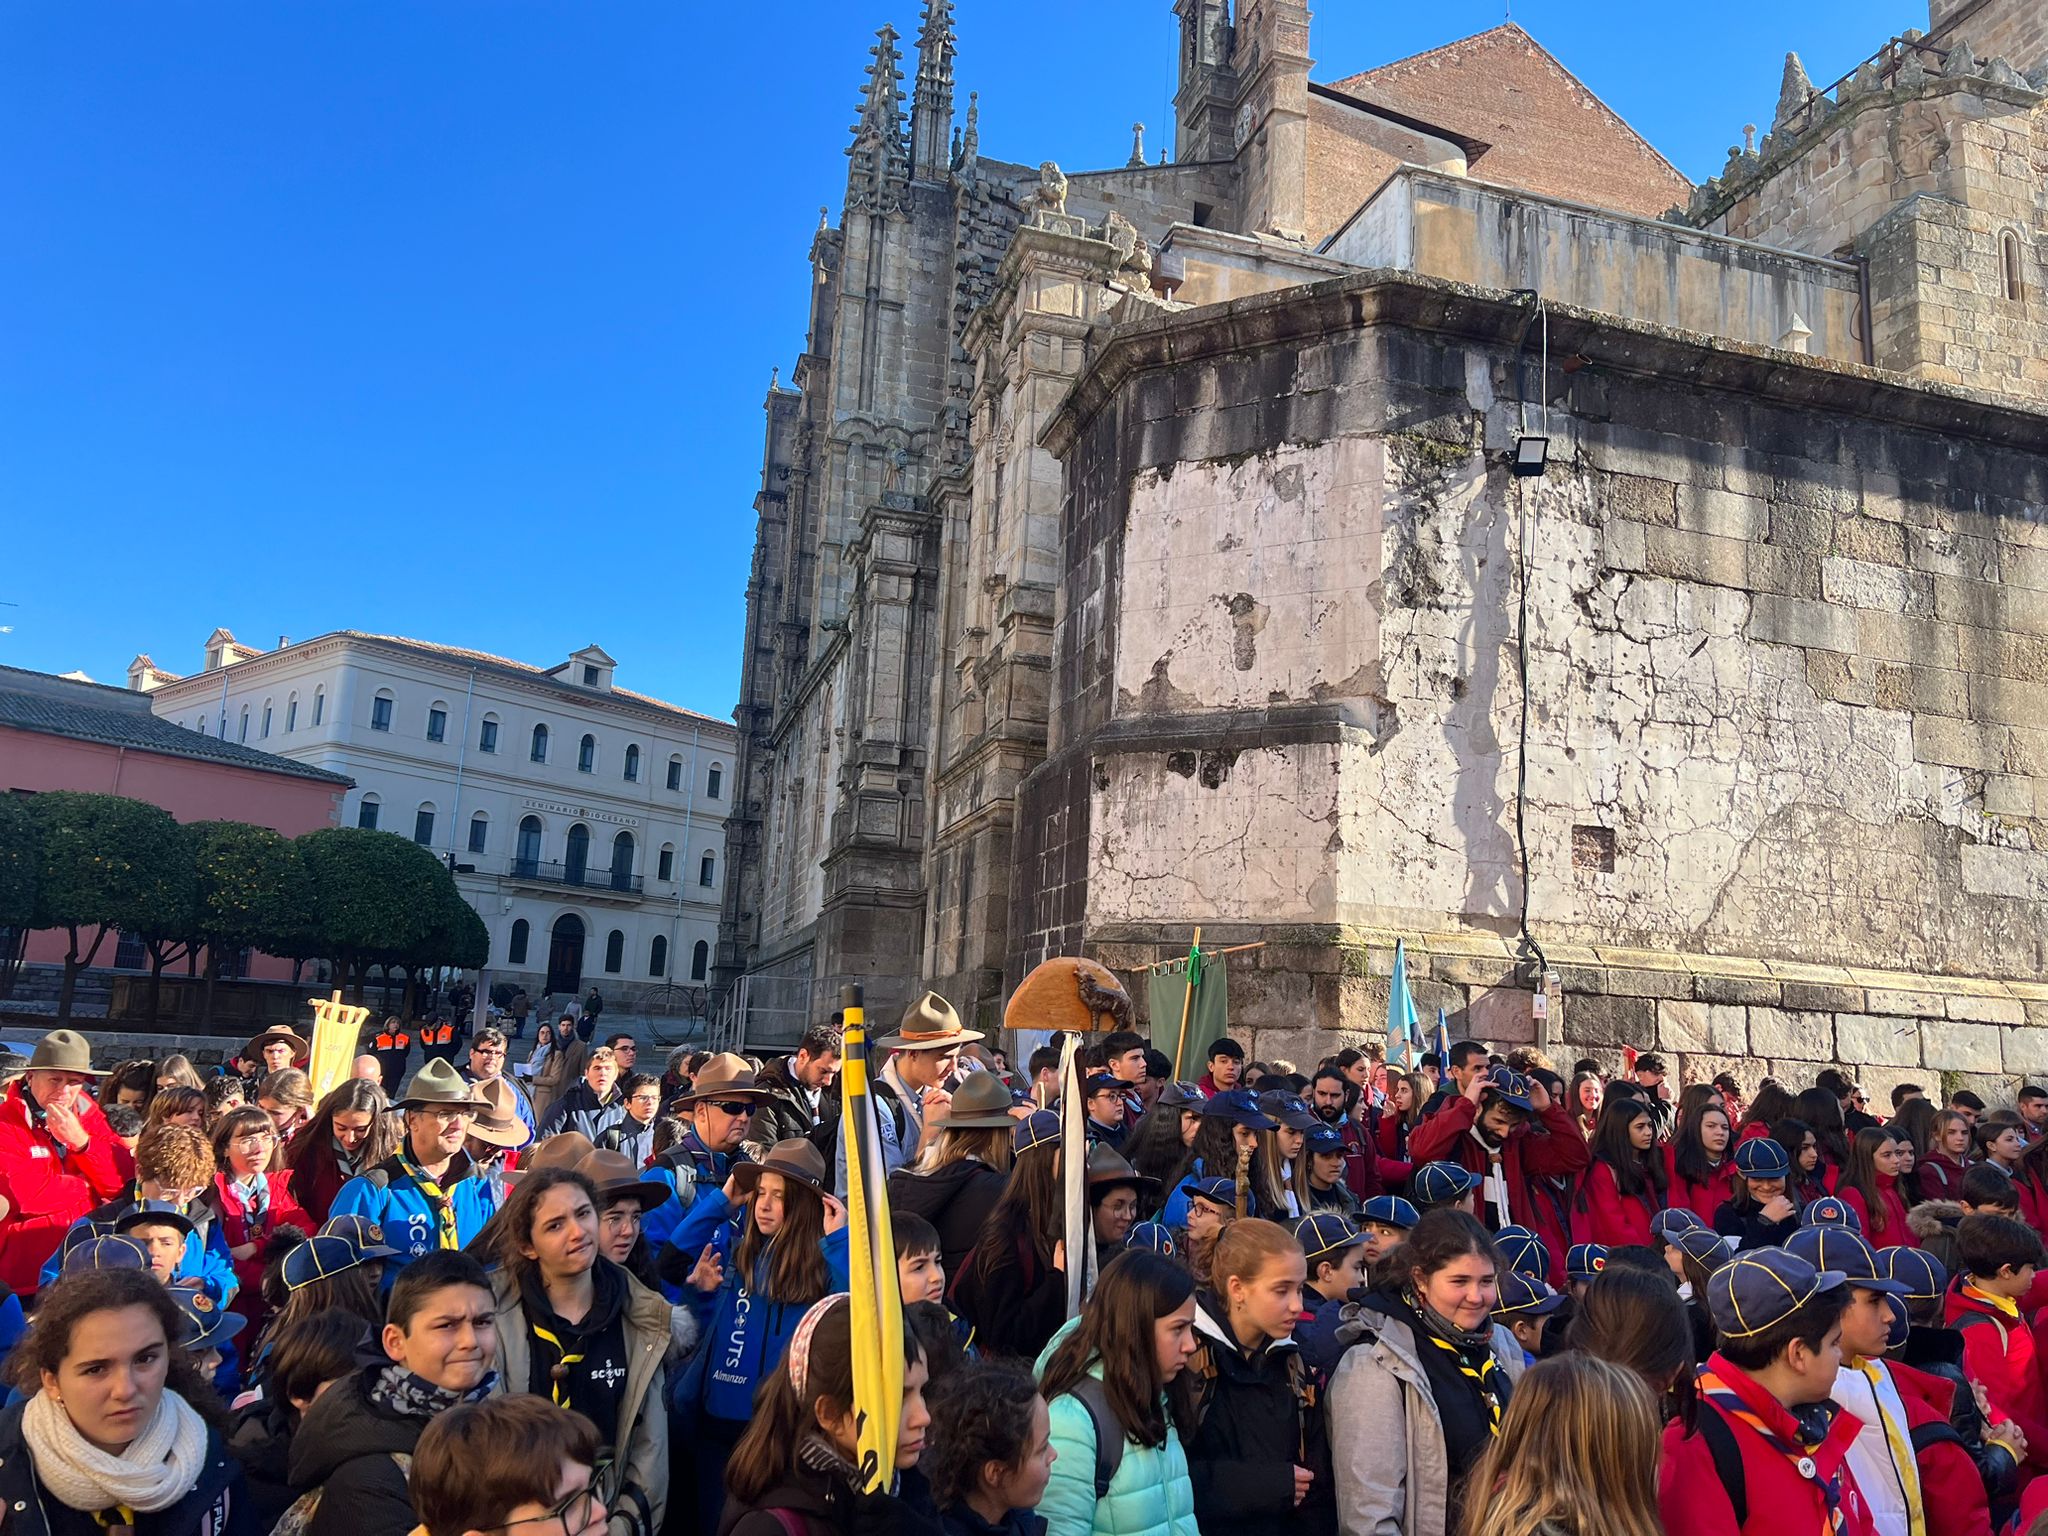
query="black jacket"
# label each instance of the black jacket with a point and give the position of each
(1260, 1418)
(956, 1199)
(260, 1438)
(344, 1446)
(218, 1504)
(579, 1109)
(962, 1521)
(826, 1505)
(783, 1115)
(1015, 1302)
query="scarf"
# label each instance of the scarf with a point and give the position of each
(2004, 1304)
(254, 1193)
(344, 1160)
(159, 1467)
(1715, 1390)
(1463, 1346)
(1494, 1190)
(399, 1391)
(437, 1201)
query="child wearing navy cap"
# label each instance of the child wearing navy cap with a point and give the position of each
(1769, 1453)
(1524, 1308)
(1384, 1221)
(1761, 1212)
(1998, 1257)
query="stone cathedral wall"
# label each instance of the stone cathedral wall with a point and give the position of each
(1786, 684)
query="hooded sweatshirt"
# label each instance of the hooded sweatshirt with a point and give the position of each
(1261, 1417)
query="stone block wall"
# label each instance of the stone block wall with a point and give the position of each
(1785, 674)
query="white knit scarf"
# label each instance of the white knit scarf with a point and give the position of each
(159, 1467)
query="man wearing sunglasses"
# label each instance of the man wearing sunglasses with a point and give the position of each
(721, 1101)
(429, 1196)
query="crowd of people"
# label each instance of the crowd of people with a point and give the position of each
(1481, 1298)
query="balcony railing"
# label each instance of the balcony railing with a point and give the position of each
(549, 872)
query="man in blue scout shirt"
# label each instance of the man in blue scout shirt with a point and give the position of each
(429, 1196)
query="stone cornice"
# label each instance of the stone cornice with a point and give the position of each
(1378, 297)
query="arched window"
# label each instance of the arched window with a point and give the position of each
(665, 865)
(714, 783)
(380, 710)
(700, 960)
(437, 721)
(366, 813)
(423, 826)
(479, 831)
(243, 734)
(707, 867)
(319, 705)
(657, 956)
(622, 862)
(291, 714)
(266, 719)
(576, 860)
(539, 754)
(515, 952)
(487, 734)
(675, 773)
(202, 725)
(632, 765)
(527, 860)
(2015, 282)
(586, 755)
(614, 952)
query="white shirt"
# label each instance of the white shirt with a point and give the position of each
(1887, 1489)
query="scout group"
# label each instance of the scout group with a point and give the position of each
(1483, 1298)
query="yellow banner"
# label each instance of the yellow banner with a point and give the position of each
(876, 1301)
(337, 1028)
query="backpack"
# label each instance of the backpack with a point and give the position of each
(1109, 1434)
(1727, 1461)
(298, 1520)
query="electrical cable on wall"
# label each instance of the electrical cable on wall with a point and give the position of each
(1540, 316)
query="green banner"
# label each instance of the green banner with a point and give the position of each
(1166, 992)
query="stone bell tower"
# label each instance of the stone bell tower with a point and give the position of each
(1270, 126)
(1207, 97)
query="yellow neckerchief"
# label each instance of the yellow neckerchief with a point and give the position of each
(437, 1202)
(1899, 1443)
(126, 1521)
(1483, 1376)
(559, 1371)
(2004, 1304)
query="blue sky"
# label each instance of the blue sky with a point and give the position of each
(452, 318)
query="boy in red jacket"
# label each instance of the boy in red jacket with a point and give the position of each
(1505, 1128)
(1997, 1257)
(1764, 1411)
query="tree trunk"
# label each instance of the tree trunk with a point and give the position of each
(206, 994)
(71, 970)
(157, 960)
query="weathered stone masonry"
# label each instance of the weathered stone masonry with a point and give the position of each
(1788, 657)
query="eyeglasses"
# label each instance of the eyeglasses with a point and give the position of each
(575, 1512)
(731, 1106)
(448, 1116)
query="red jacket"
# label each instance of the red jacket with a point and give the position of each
(1951, 1488)
(1701, 1199)
(1694, 1502)
(47, 1185)
(1396, 1166)
(2033, 1198)
(1896, 1233)
(236, 1227)
(2000, 1353)
(1361, 1160)
(1550, 1145)
(1602, 1214)
(1941, 1177)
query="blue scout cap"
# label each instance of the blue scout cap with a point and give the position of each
(1509, 1086)
(1761, 1287)
(1523, 1250)
(1239, 1107)
(1761, 1158)
(1845, 1253)
(1441, 1183)
(1290, 1109)
(317, 1258)
(366, 1236)
(1525, 1296)
(1582, 1261)
(98, 1252)
(1216, 1191)
(1669, 1222)
(1830, 1211)
(1152, 1237)
(1035, 1130)
(1325, 1232)
(1389, 1211)
(1924, 1277)
(208, 1325)
(1324, 1139)
(1702, 1245)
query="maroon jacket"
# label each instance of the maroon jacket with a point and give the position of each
(1549, 1145)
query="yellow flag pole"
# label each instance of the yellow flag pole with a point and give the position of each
(1187, 1004)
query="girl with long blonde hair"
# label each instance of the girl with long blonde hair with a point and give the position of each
(1576, 1456)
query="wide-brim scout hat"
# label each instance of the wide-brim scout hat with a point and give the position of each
(981, 1103)
(498, 1123)
(64, 1050)
(362, 1233)
(1108, 1168)
(153, 1213)
(1069, 993)
(438, 1085)
(281, 1034)
(617, 1179)
(929, 1024)
(795, 1159)
(724, 1076)
(564, 1149)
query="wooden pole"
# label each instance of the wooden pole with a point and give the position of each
(1187, 1004)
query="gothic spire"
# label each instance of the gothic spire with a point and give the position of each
(877, 148)
(931, 112)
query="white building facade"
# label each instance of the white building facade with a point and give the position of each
(585, 822)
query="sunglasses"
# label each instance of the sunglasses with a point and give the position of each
(731, 1106)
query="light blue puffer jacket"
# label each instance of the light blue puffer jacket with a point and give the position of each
(1151, 1494)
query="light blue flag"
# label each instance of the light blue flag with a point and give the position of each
(1403, 1028)
(1443, 1038)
